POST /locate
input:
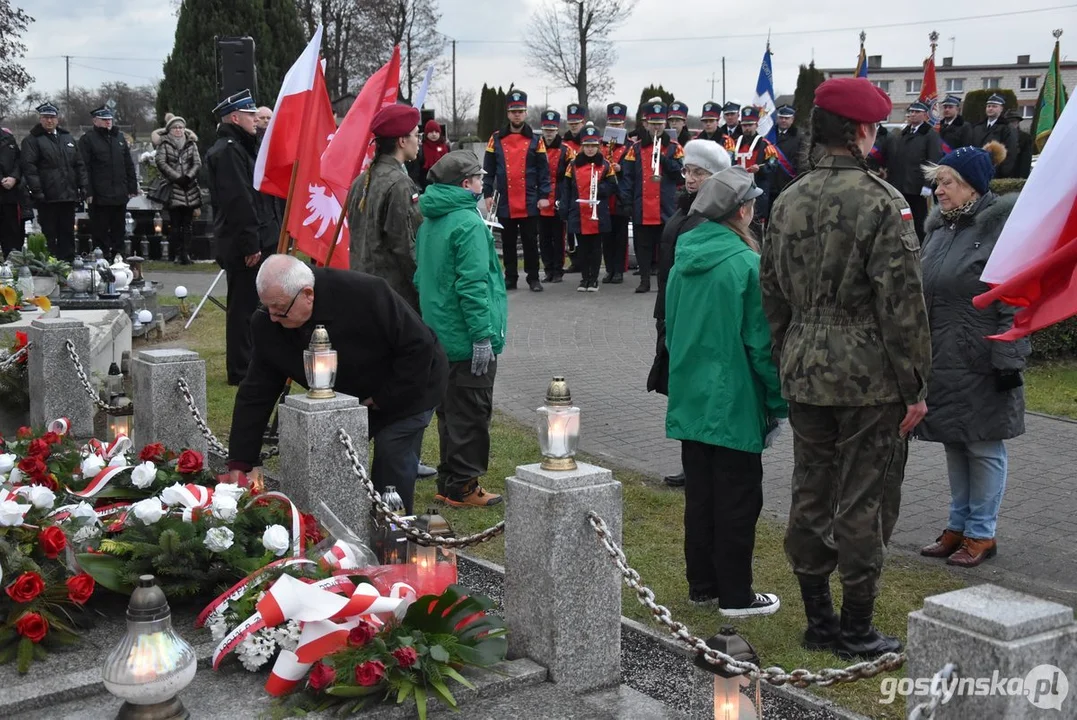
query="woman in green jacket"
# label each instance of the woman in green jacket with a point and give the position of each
(724, 396)
(463, 300)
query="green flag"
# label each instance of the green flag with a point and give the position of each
(1051, 102)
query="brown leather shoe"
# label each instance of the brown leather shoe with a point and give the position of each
(476, 498)
(945, 545)
(973, 552)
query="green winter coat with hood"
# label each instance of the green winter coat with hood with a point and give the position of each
(723, 385)
(458, 274)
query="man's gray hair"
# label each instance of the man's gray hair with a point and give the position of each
(288, 273)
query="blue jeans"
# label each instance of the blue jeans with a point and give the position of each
(977, 480)
(396, 456)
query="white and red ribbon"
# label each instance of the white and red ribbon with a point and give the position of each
(341, 556)
(101, 480)
(253, 580)
(120, 445)
(60, 426)
(296, 517)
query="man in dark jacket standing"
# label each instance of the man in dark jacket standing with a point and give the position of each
(993, 127)
(243, 222)
(953, 129)
(112, 181)
(906, 152)
(386, 357)
(787, 143)
(11, 227)
(55, 175)
(1022, 166)
(709, 116)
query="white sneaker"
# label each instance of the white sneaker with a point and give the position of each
(425, 471)
(764, 604)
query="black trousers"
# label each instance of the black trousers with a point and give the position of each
(648, 238)
(396, 456)
(526, 231)
(180, 223)
(107, 227)
(615, 245)
(58, 224)
(589, 256)
(918, 205)
(12, 231)
(242, 302)
(464, 428)
(723, 496)
(551, 232)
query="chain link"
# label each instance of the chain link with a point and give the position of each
(15, 357)
(94, 395)
(385, 515)
(215, 446)
(773, 675)
(926, 710)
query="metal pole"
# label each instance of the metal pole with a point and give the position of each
(455, 115)
(67, 83)
(723, 79)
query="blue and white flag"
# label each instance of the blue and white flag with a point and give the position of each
(764, 98)
(420, 97)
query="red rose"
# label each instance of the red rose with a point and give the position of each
(312, 534)
(34, 467)
(370, 673)
(154, 452)
(48, 481)
(189, 462)
(53, 541)
(25, 588)
(23, 433)
(21, 341)
(406, 656)
(39, 448)
(51, 438)
(361, 634)
(80, 588)
(321, 676)
(33, 626)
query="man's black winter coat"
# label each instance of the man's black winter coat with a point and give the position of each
(52, 167)
(109, 165)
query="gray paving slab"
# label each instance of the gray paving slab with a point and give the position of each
(604, 343)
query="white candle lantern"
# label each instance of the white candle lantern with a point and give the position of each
(320, 365)
(729, 702)
(558, 427)
(158, 224)
(151, 664)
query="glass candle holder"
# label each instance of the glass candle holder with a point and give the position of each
(558, 425)
(320, 365)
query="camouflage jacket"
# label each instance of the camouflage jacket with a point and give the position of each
(840, 274)
(383, 217)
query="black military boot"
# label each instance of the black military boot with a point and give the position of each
(859, 638)
(823, 625)
(175, 245)
(185, 249)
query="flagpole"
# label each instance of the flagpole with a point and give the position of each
(336, 235)
(282, 241)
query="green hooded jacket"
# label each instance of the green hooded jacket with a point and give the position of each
(723, 385)
(458, 274)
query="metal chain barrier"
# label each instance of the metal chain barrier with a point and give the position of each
(15, 357)
(926, 710)
(773, 675)
(94, 395)
(385, 515)
(215, 446)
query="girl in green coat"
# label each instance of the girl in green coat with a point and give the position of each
(724, 395)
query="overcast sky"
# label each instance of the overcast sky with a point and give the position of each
(129, 39)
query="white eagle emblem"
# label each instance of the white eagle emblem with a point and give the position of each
(658, 108)
(323, 207)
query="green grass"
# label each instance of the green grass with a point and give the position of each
(1051, 388)
(164, 266)
(653, 541)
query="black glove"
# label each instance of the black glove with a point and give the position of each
(1006, 380)
(182, 181)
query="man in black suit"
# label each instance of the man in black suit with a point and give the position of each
(993, 127)
(386, 357)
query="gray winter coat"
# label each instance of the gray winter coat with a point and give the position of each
(963, 404)
(179, 163)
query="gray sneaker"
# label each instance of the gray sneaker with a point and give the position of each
(425, 471)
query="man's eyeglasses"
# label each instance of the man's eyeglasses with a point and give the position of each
(281, 316)
(696, 172)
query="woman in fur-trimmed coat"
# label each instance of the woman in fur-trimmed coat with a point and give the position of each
(178, 161)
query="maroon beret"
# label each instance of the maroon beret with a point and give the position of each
(394, 121)
(853, 98)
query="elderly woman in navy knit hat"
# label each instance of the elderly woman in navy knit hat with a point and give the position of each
(975, 398)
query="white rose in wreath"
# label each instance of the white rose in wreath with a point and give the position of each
(118, 461)
(224, 507)
(218, 539)
(7, 461)
(276, 539)
(12, 513)
(143, 475)
(231, 490)
(173, 495)
(148, 511)
(91, 465)
(15, 477)
(40, 496)
(84, 511)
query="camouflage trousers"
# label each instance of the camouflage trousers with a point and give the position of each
(848, 467)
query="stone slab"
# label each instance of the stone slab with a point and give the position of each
(998, 612)
(161, 413)
(306, 404)
(584, 475)
(165, 357)
(562, 597)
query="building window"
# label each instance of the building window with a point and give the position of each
(1029, 82)
(992, 83)
(883, 85)
(912, 87)
(1028, 111)
(955, 85)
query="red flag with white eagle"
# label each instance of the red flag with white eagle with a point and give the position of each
(1034, 263)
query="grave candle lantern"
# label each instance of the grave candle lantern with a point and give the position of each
(151, 664)
(558, 427)
(320, 365)
(729, 703)
(431, 568)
